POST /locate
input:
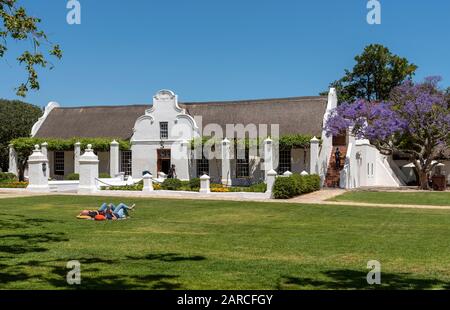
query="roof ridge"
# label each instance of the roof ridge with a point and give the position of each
(253, 100)
(105, 106)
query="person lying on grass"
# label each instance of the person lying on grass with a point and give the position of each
(108, 211)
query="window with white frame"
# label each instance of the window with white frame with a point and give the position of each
(126, 162)
(202, 166)
(284, 161)
(242, 165)
(59, 163)
(164, 130)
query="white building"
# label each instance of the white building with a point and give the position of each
(161, 135)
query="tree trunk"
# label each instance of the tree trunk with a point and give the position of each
(423, 180)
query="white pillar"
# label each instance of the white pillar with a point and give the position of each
(271, 176)
(204, 184)
(12, 168)
(226, 171)
(114, 159)
(303, 173)
(314, 156)
(37, 171)
(88, 171)
(77, 155)
(148, 183)
(268, 156)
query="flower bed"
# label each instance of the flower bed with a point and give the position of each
(16, 184)
(9, 180)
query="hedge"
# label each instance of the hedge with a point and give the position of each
(171, 184)
(295, 185)
(73, 177)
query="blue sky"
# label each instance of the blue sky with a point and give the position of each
(124, 51)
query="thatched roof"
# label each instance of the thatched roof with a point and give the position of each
(302, 115)
(91, 122)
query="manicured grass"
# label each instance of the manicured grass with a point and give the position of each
(186, 244)
(407, 198)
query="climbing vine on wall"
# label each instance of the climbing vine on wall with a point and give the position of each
(286, 141)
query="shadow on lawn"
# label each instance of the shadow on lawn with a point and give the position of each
(28, 243)
(93, 277)
(354, 279)
(167, 257)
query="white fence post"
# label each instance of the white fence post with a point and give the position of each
(148, 183)
(204, 184)
(88, 171)
(271, 176)
(37, 171)
(287, 173)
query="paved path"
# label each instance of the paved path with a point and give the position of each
(319, 197)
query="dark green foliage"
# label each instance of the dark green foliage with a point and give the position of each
(285, 187)
(254, 188)
(376, 73)
(7, 177)
(171, 184)
(16, 120)
(24, 146)
(104, 175)
(73, 176)
(286, 141)
(194, 183)
(295, 185)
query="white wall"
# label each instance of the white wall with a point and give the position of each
(365, 166)
(146, 138)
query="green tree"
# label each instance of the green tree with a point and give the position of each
(376, 73)
(17, 25)
(16, 119)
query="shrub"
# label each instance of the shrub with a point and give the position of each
(73, 176)
(7, 177)
(104, 175)
(288, 187)
(285, 187)
(313, 182)
(171, 184)
(194, 183)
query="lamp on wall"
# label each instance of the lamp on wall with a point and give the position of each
(44, 168)
(161, 143)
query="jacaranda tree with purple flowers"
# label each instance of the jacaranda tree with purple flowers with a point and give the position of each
(415, 121)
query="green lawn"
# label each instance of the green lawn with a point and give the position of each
(407, 198)
(176, 244)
